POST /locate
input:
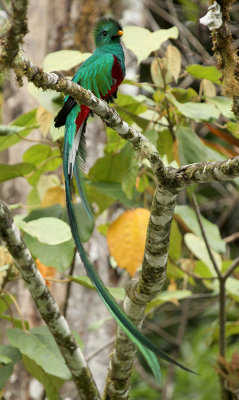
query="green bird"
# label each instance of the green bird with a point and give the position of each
(101, 73)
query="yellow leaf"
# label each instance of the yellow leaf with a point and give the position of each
(208, 88)
(44, 118)
(160, 72)
(172, 286)
(54, 195)
(46, 182)
(126, 239)
(47, 272)
(174, 59)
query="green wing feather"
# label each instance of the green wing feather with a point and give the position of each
(95, 73)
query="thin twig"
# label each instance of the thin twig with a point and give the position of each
(231, 238)
(96, 352)
(230, 269)
(192, 274)
(147, 377)
(17, 308)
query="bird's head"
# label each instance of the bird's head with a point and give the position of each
(107, 31)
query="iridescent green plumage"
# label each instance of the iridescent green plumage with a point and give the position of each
(101, 73)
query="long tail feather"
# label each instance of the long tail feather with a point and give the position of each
(76, 163)
(148, 349)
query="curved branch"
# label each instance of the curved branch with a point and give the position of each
(47, 306)
(44, 80)
(202, 172)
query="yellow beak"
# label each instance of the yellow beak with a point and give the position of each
(120, 33)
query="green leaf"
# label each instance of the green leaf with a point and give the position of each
(44, 158)
(117, 293)
(204, 72)
(196, 111)
(203, 270)
(129, 180)
(184, 95)
(110, 168)
(224, 104)
(189, 218)
(33, 198)
(114, 141)
(197, 246)
(165, 297)
(8, 130)
(232, 328)
(4, 360)
(5, 302)
(233, 128)
(56, 133)
(86, 226)
(106, 193)
(142, 42)
(152, 135)
(14, 171)
(40, 346)
(130, 103)
(192, 150)
(51, 383)
(13, 355)
(37, 153)
(232, 288)
(26, 122)
(44, 98)
(175, 244)
(47, 230)
(165, 144)
(64, 60)
(15, 321)
(59, 256)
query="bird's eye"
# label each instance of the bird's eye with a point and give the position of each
(104, 33)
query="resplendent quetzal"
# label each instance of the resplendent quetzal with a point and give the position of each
(101, 73)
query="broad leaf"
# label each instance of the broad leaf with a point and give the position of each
(64, 60)
(196, 111)
(192, 150)
(47, 230)
(126, 239)
(59, 256)
(14, 171)
(232, 288)
(189, 218)
(11, 354)
(40, 346)
(26, 122)
(197, 246)
(204, 72)
(142, 42)
(224, 104)
(167, 296)
(51, 383)
(175, 244)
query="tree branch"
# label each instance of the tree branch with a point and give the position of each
(15, 34)
(47, 306)
(141, 289)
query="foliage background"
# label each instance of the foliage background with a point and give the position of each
(179, 105)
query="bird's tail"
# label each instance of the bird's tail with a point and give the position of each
(147, 348)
